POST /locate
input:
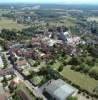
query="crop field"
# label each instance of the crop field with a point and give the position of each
(10, 24)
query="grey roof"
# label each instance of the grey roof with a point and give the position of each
(59, 89)
(54, 85)
(1, 88)
(1, 62)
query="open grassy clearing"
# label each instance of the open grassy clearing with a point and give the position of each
(4, 11)
(56, 65)
(84, 81)
(10, 24)
(69, 21)
(80, 79)
(64, 21)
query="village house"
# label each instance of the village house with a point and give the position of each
(21, 64)
(3, 94)
(1, 63)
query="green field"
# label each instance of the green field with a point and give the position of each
(84, 81)
(4, 11)
(80, 79)
(56, 65)
(69, 21)
(64, 21)
(10, 24)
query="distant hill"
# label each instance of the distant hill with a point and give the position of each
(51, 6)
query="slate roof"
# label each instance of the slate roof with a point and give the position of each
(58, 89)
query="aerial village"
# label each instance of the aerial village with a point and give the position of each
(26, 67)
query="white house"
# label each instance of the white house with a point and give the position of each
(1, 63)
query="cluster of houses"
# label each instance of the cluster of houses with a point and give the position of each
(40, 47)
(43, 42)
(23, 66)
(5, 81)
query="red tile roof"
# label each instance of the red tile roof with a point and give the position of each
(21, 62)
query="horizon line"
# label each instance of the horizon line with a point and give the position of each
(47, 3)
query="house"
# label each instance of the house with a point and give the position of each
(1, 63)
(8, 77)
(1, 88)
(8, 71)
(26, 72)
(63, 35)
(18, 45)
(21, 64)
(13, 84)
(36, 42)
(1, 78)
(57, 90)
(5, 96)
(29, 53)
(24, 95)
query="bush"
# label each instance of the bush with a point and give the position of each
(74, 61)
(94, 72)
(60, 68)
(72, 98)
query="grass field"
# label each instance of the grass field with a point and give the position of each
(10, 24)
(63, 21)
(69, 21)
(4, 11)
(84, 81)
(56, 65)
(80, 79)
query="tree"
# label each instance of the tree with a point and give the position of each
(72, 98)
(5, 81)
(94, 72)
(74, 61)
(36, 63)
(32, 73)
(5, 61)
(64, 63)
(39, 98)
(90, 62)
(60, 68)
(86, 68)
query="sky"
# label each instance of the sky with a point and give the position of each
(52, 1)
